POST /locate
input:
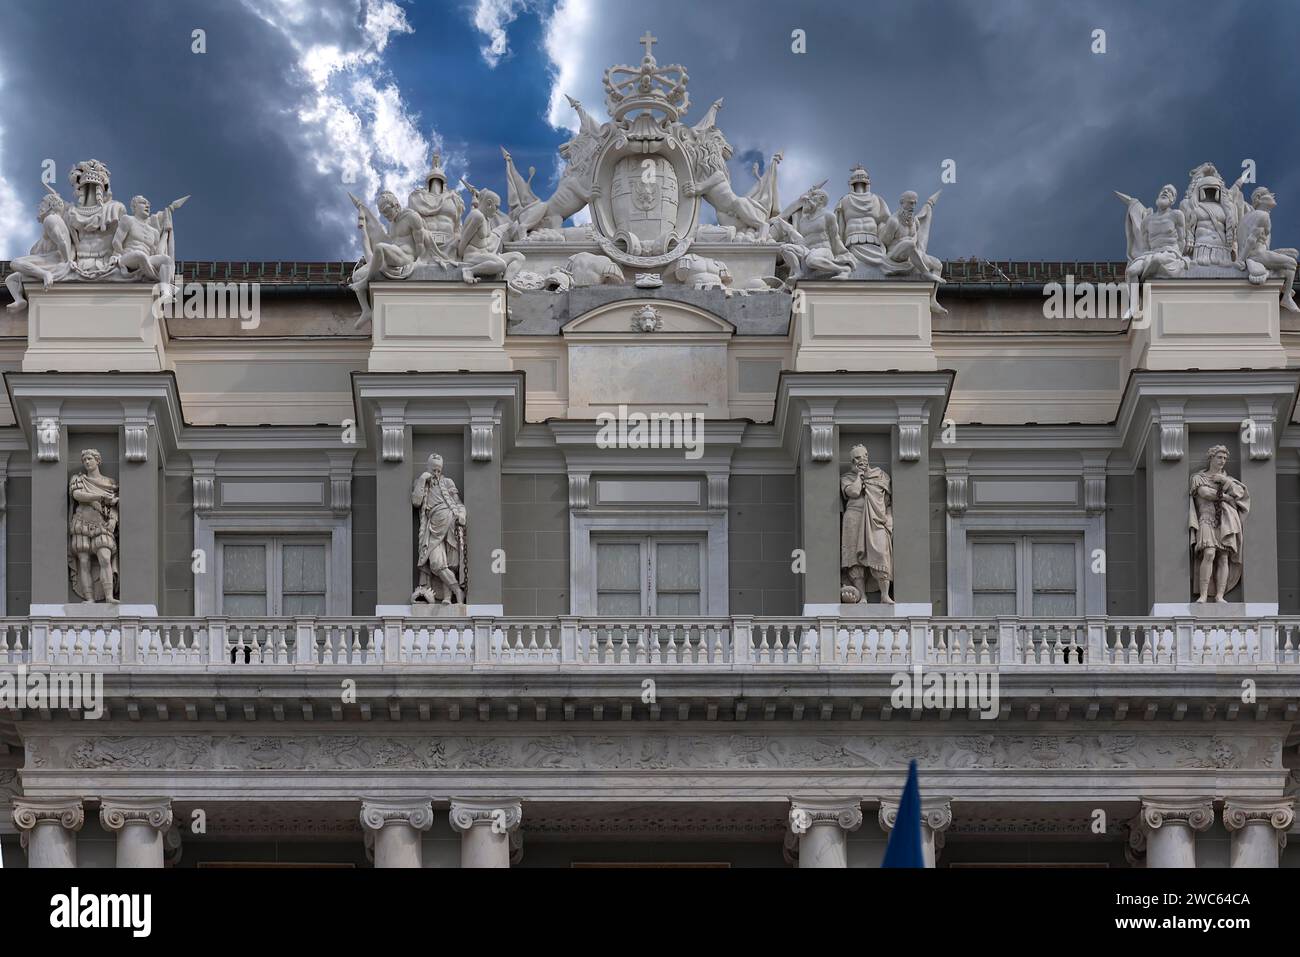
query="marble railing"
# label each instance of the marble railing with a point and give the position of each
(736, 642)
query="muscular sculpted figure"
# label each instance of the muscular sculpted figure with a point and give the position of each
(1156, 238)
(51, 257)
(93, 531)
(1217, 520)
(709, 151)
(1254, 237)
(867, 532)
(388, 252)
(144, 244)
(906, 236)
(810, 239)
(441, 556)
(480, 244)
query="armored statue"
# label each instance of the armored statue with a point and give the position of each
(859, 216)
(1211, 215)
(867, 532)
(92, 528)
(1156, 238)
(701, 272)
(1254, 237)
(440, 561)
(1217, 520)
(906, 238)
(92, 219)
(439, 208)
(51, 257)
(582, 270)
(810, 238)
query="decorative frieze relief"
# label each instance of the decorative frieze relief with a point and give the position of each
(655, 751)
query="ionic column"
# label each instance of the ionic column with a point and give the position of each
(396, 828)
(936, 816)
(1258, 827)
(822, 826)
(485, 827)
(49, 829)
(1171, 827)
(141, 824)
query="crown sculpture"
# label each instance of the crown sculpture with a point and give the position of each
(95, 239)
(1212, 234)
(644, 175)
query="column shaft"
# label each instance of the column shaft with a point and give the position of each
(50, 525)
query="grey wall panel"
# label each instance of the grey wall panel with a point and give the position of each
(535, 530)
(762, 515)
(177, 534)
(1288, 544)
(364, 556)
(1125, 547)
(18, 545)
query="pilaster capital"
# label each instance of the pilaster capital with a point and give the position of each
(66, 812)
(116, 813)
(501, 815)
(806, 813)
(821, 433)
(376, 815)
(936, 814)
(1173, 432)
(1196, 813)
(579, 489)
(1278, 813)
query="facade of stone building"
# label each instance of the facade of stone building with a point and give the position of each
(624, 631)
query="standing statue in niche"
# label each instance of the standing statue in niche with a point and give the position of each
(867, 532)
(1218, 508)
(92, 546)
(441, 558)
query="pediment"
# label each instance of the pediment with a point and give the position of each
(630, 318)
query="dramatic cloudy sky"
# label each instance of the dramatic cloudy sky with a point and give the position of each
(293, 96)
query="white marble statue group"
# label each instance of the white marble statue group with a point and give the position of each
(94, 238)
(1212, 233)
(643, 175)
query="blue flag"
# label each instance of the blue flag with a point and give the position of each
(904, 848)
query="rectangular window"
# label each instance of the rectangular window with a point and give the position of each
(649, 576)
(272, 577)
(1037, 575)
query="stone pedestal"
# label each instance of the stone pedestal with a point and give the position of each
(1258, 827)
(397, 831)
(1171, 828)
(94, 327)
(1209, 324)
(49, 829)
(862, 326)
(485, 827)
(438, 326)
(821, 827)
(936, 816)
(141, 825)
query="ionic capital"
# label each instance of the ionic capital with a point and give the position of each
(67, 812)
(1279, 813)
(1196, 813)
(806, 813)
(502, 815)
(935, 814)
(379, 814)
(116, 813)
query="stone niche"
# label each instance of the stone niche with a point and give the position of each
(94, 327)
(650, 355)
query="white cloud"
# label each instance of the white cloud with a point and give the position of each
(491, 17)
(352, 122)
(570, 42)
(17, 222)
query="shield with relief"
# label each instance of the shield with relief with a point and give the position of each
(644, 203)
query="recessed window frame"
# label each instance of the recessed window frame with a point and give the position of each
(274, 545)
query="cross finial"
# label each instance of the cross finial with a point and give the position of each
(649, 40)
